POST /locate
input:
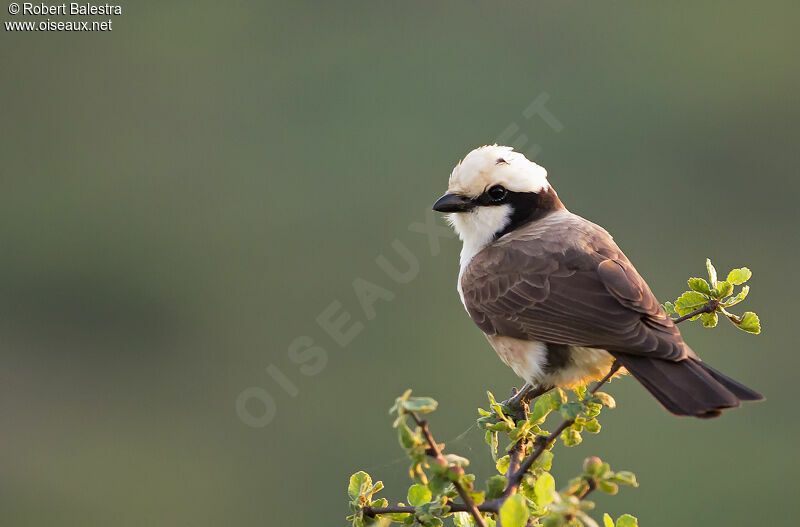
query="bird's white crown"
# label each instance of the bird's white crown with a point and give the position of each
(492, 165)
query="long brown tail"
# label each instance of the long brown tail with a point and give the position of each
(687, 387)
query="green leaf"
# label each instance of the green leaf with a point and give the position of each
(406, 437)
(626, 520)
(455, 459)
(689, 301)
(465, 519)
(607, 521)
(545, 461)
(709, 319)
(360, 483)
(739, 276)
(571, 437)
(495, 486)
(738, 298)
(514, 512)
(418, 495)
(750, 323)
(722, 289)
(712, 273)
(570, 411)
(626, 478)
(544, 488)
(699, 285)
(592, 426)
(608, 487)
(420, 404)
(542, 407)
(669, 308)
(502, 464)
(491, 440)
(605, 399)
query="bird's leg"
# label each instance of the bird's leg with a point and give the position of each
(518, 402)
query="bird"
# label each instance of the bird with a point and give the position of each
(556, 297)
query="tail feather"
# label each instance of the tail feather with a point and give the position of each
(687, 387)
(738, 389)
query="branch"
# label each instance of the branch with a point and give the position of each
(436, 453)
(592, 487)
(489, 506)
(709, 307)
(516, 478)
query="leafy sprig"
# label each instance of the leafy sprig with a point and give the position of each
(707, 299)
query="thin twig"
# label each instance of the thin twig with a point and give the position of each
(709, 307)
(489, 506)
(436, 453)
(592, 486)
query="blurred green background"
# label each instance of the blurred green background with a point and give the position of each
(183, 196)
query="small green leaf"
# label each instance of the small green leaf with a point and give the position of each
(709, 319)
(465, 519)
(570, 411)
(495, 486)
(502, 464)
(491, 440)
(739, 276)
(542, 407)
(360, 482)
(669, 308)
(699, 285)
(592, 426)
(605, 399)
(750, 323)
(406, 437)
(418, 495)
(514, 512)
(626, 520)
(545, 461)
(420, 404)
(608, 487)
(626, 478)
(738, 298)
(689, 301)
(712, 273)
(571, 437)
(722, 289)
(607, 521)
(544, 488)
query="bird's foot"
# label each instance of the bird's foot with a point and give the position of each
(518, 402)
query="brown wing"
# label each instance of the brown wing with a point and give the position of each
(534, 285)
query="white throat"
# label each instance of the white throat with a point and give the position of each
(476, 229)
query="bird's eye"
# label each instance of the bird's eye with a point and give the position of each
(497, 193)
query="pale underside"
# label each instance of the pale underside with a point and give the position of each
(528, 359)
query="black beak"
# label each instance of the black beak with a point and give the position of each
(453, 203)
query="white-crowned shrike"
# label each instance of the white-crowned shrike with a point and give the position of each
(556, 297)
